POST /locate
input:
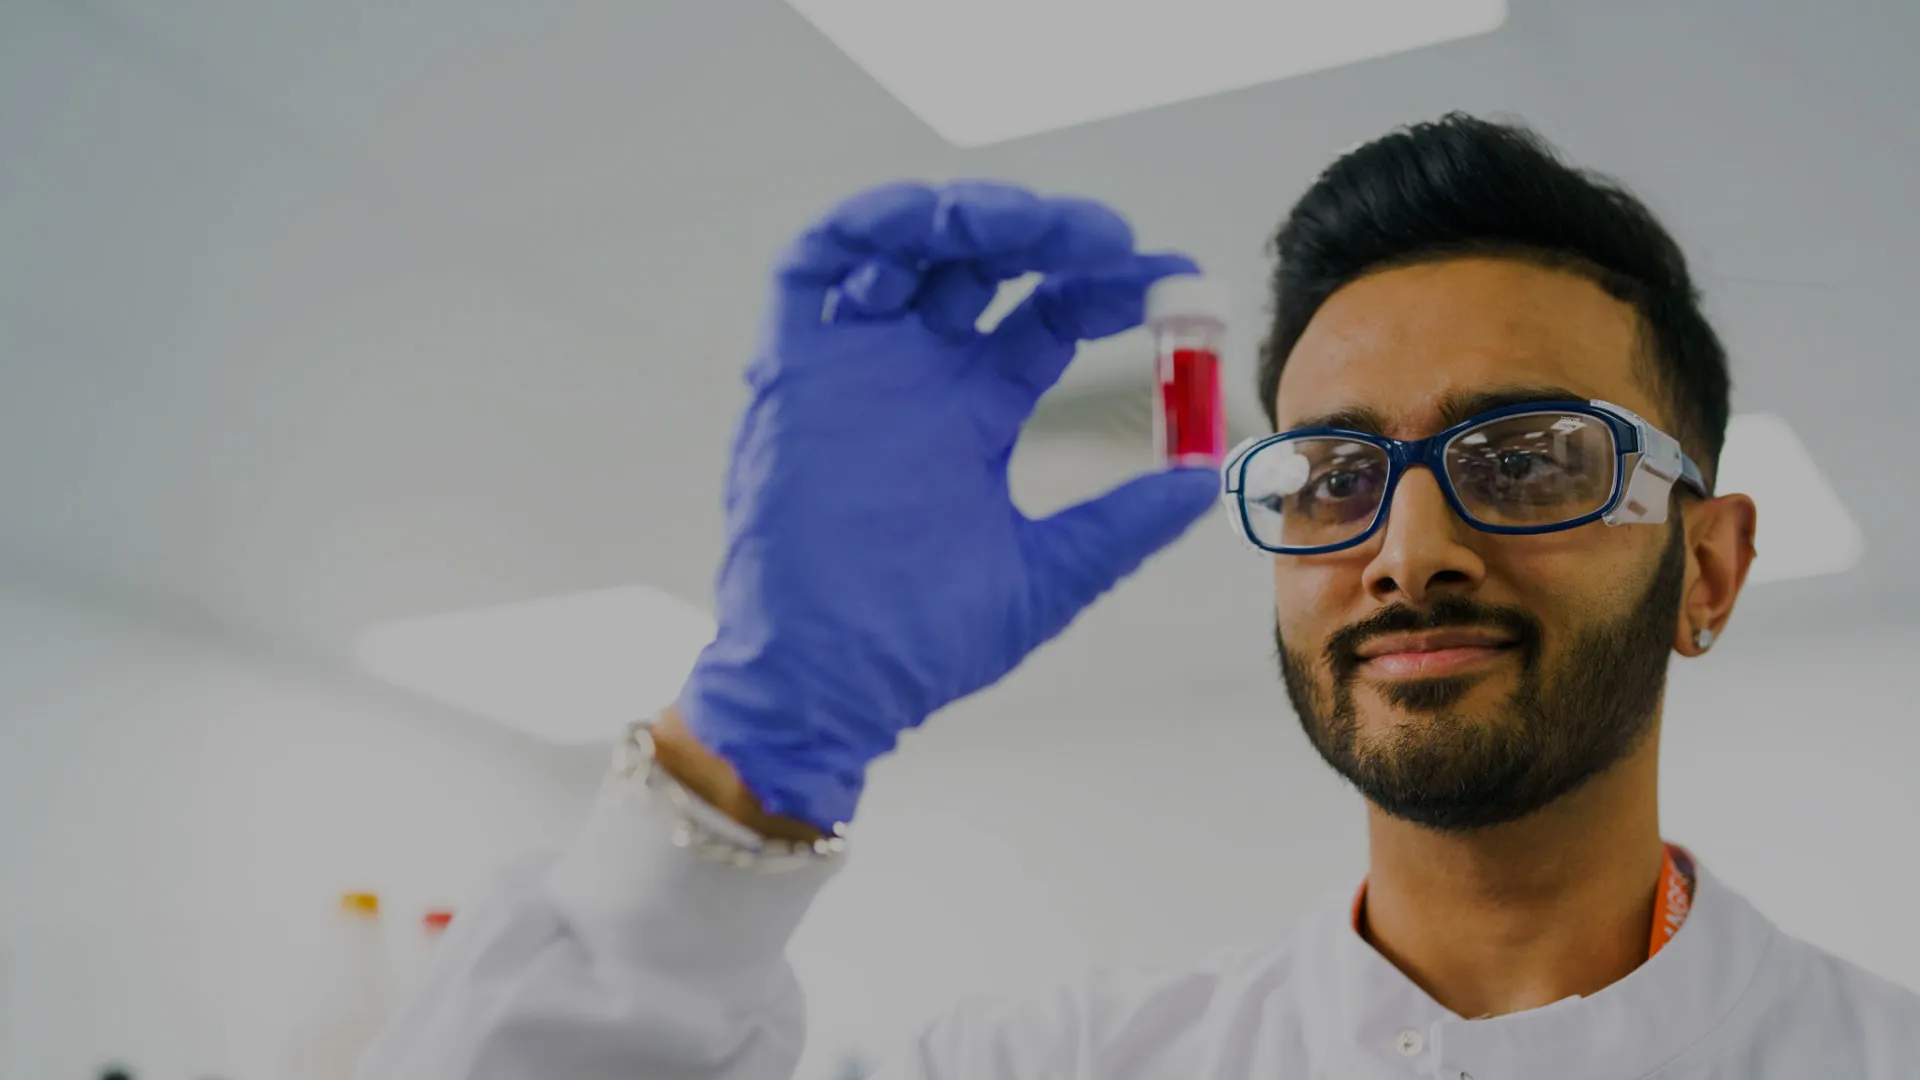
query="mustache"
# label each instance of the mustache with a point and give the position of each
(1448, 612)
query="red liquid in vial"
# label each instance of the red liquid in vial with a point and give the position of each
(1192, 424)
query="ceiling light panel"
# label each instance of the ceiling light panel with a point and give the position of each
(990, 70)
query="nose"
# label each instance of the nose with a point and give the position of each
(1423, 550)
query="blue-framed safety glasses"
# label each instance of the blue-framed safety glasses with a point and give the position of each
(1523, 469)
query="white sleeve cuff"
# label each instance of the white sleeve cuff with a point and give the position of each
(647, 905)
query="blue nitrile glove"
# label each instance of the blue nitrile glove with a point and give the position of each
(876, 568)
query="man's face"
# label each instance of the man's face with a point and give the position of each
(1559, 641)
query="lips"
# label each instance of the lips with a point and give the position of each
(1433, 641)
(1434, 654)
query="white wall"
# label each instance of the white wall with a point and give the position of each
(1015, 842)
(1792, 766)
(176, 819)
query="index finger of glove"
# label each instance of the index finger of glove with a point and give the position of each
(1034, 343)
(1081, 235)
(1007, 231)
(1003, 229)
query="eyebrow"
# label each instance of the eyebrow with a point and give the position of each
(1454, 407)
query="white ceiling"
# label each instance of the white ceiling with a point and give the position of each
(314, 315)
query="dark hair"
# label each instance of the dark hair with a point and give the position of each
(1461, 186)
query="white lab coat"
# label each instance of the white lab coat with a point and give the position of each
(624, 958)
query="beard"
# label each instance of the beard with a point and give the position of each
(1556, 731)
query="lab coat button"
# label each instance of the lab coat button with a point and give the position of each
(1408, 1042)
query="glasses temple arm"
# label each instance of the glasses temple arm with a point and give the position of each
(1690, 475)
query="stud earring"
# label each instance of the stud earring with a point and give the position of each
(1703, 639)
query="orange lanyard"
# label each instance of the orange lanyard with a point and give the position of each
(1674, 900)
(1671, 904)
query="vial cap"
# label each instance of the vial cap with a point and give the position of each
(360, 903)
(1188, 296)
(437, 919)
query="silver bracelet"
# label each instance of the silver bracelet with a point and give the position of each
(699, 826)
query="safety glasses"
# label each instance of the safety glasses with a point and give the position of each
(1523, 469)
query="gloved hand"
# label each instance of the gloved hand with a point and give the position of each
(876, 568)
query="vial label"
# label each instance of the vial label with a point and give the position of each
(1192, 422)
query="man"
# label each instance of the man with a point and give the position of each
(1498, 412)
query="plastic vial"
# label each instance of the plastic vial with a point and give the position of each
(1188, 316)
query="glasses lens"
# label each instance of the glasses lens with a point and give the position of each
(1312, 491)
(1533, 469)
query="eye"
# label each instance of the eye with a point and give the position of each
(1518, 464)
(1344, 493)
(1340, 484)
(1513, 472)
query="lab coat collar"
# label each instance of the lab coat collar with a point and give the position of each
(1366, 1007)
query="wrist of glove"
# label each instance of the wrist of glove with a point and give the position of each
(801, 759)
(876, 567)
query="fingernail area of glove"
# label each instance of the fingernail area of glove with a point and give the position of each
(878, 287)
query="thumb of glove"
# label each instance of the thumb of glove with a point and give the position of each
(1082, 551)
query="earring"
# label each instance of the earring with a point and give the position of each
(1703, 639)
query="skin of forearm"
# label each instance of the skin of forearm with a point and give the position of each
(714, 780)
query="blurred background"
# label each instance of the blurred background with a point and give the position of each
(367, 371)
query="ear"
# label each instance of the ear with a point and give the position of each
(1719, 553)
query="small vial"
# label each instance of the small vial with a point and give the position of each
(1188, 316)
